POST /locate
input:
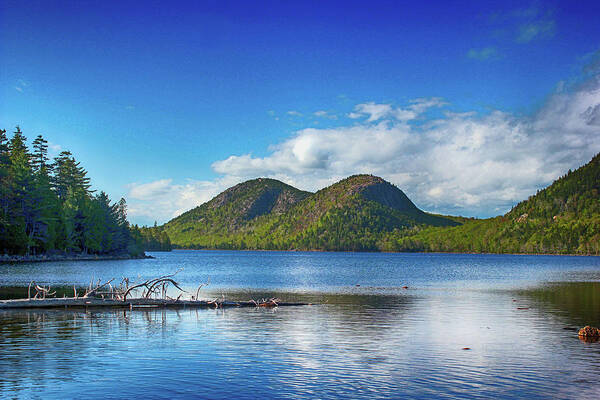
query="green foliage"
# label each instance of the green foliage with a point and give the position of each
(231, 212)
(68, 174)
(365, 213)
(154, 239)
(49, 207)
(564, 218)
(355, 214)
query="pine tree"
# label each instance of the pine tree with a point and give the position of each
(95, 228)
(40, 158)
(21, 212)
(5, 192)
(109, 221)
(45, 207)
(68, 174)
(71, 185)
(121, 237)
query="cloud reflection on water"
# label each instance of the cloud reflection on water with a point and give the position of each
(353, 346)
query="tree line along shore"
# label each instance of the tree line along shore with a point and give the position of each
(366, 213)
(48, 210)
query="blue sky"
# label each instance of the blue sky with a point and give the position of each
(167, 104)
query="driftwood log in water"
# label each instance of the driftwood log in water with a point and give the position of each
(67, 302)
(154, 294)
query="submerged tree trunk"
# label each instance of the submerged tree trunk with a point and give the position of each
(67, 302)
(154, 294)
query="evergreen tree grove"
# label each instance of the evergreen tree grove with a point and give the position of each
(48, 206)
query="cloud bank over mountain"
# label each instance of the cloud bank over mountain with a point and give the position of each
(458, 163)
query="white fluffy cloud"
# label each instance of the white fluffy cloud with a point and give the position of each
(376, 112)
(460, 163)
(162, 200)
(324, 114)
(372, 110)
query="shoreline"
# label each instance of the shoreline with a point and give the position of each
(394, 252)
(6, 259)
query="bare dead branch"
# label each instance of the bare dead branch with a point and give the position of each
(152, 285)
(200, 287)
(93, 291)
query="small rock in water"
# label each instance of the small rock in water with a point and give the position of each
(589, 332)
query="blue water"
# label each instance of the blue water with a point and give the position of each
(318, 271)
(517, 314)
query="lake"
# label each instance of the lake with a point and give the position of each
(365, 336)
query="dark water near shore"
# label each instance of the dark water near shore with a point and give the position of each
(517, 314)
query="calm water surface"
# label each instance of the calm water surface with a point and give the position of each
(517, 314)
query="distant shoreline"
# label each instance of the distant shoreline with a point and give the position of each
(395, 252)
(6, 259)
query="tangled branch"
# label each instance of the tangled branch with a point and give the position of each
(41, 291)
(153, 286)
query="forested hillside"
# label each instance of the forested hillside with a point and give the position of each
(155, 238)
(563, 218)
(354, 214)
(232, 212)
(366, 213)
(47, 206)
